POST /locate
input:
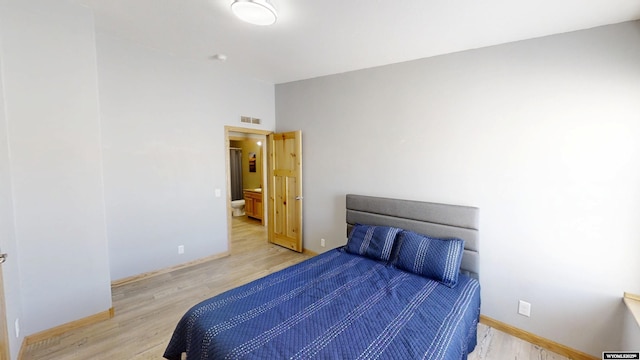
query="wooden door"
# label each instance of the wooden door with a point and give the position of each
(4, 339)
(285, 189)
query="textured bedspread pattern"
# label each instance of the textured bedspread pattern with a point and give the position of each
(334, 306)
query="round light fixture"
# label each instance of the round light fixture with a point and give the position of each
(257, 12)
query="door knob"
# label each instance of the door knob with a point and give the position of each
(3, 258)
(298, 197)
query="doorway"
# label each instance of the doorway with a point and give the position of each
(255, 206)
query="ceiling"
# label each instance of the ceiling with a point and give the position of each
(320, 37)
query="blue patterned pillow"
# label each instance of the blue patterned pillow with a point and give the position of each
(371, 241)
(437, 259)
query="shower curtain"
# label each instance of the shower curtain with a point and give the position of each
(235, 157)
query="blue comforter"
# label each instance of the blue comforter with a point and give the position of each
(333, 306)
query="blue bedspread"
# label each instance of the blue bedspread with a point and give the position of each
(333, 306)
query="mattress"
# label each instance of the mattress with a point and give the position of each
(336, 305)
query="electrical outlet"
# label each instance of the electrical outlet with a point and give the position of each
(524, 308)
(17, 323)
(180, 249)
(322, 242)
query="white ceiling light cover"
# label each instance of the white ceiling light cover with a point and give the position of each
(257, 12)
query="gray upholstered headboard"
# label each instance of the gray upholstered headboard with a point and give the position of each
(432, 219)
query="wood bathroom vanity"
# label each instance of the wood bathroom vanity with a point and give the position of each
(253, 203)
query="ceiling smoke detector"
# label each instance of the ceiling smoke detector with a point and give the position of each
(257, 12)
(219, 57)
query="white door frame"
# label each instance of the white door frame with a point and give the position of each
(4, 335)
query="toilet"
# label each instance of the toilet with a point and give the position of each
(237, 207)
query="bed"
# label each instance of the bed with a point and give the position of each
(405, 286)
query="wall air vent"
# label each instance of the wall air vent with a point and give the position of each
(249, 120)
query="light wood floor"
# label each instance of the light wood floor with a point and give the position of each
(147, 311)
(496, 345)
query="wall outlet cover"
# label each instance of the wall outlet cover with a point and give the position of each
(524, 308)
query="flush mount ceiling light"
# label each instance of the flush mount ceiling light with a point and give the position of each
(257, 12)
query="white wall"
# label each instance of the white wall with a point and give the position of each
(50, 88)
(10, 269)
(631, 333)
(163, 123)
(541, 135)
(162, 139)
